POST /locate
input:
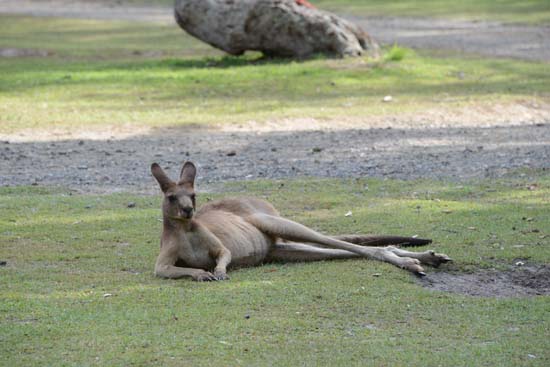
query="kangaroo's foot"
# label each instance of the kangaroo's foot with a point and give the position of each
(427, 257)
(404, 262)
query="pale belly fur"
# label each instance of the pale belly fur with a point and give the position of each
(248, 245)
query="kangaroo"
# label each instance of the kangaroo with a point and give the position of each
(237, 232)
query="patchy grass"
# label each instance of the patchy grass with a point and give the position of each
(528, 11)
(116, 73)
(96, 40)
(65, 252)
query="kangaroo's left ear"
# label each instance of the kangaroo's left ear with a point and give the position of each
(188, 173)
(164, 181)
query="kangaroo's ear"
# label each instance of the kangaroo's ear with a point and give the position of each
(188, 173)
(164, 181)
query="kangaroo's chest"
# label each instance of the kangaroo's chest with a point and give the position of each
(193, 254)
(248, 245)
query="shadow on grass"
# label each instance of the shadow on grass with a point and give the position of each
(225, 62)
(268, 80)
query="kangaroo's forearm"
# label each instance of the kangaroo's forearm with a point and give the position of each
(174, 272)
(223, 259)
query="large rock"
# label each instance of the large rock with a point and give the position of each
(287, 28)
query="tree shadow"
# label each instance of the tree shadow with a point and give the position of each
(267, 83)
(227, 61)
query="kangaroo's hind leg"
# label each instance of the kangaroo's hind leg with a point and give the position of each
(300, 252)
(292, 231)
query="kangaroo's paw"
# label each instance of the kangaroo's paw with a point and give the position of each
(203, 276)
(221, 275)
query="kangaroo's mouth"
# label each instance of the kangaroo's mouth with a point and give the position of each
(182, 216)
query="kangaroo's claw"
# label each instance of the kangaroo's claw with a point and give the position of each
(434, 259)
(221, 275)
(204, 276)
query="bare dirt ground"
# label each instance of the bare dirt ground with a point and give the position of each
(123, 165)
(532, 280)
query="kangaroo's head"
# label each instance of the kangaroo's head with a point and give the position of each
(179, 197)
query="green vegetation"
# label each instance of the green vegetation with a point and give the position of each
(395, 53)
(116, 73)
(66, 252)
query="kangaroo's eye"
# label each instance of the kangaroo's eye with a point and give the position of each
(172, 198)
(192, 196)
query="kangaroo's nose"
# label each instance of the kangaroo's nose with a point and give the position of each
(188, 210)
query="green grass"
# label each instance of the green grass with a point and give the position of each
(116, 73)
(395, 53)
(97, 39)
(66, 251)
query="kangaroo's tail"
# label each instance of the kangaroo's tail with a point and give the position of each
(365, 240)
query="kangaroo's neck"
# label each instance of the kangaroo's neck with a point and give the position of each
(172, 225)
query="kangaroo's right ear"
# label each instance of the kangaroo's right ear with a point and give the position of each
(164, 181)
(188, 174)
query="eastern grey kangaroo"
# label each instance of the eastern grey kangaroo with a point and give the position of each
(246, 231)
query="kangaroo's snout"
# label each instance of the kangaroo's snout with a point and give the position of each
(187, 211)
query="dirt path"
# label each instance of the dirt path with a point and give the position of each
(112, 165)
(484, 38)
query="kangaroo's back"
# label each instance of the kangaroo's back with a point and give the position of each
(240, 206)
